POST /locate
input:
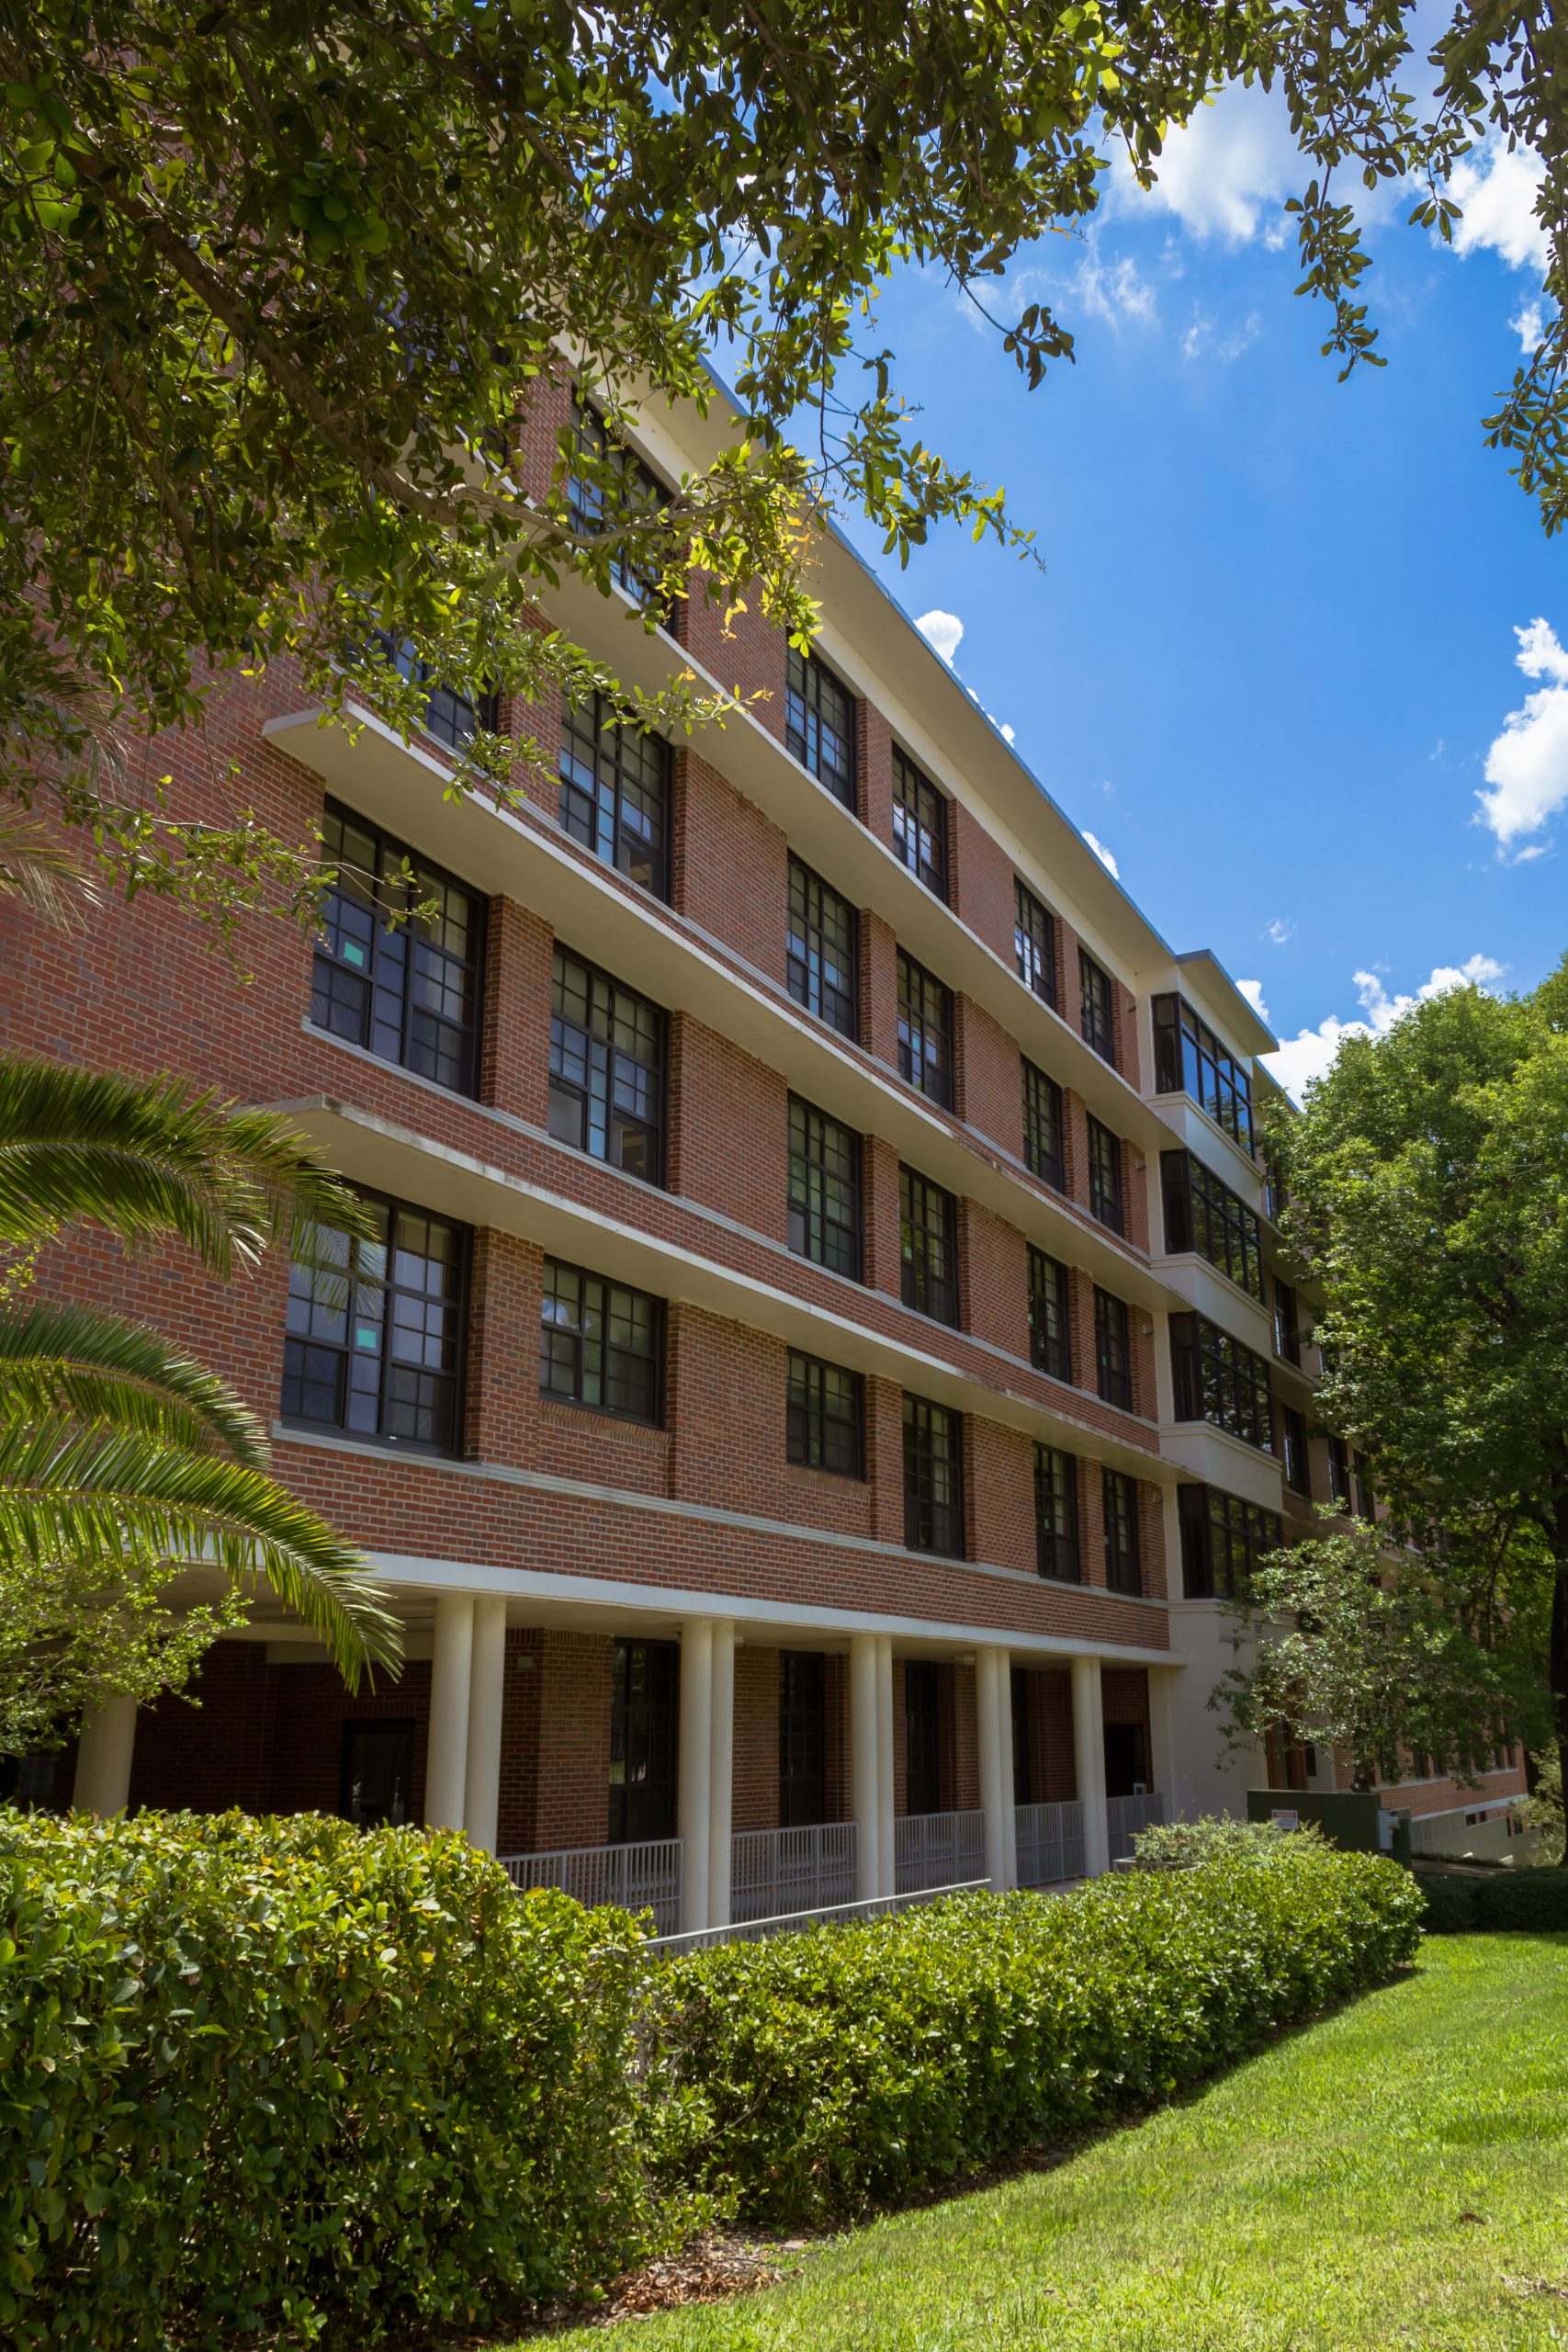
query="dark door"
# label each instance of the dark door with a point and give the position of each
(644, 1697)
(1127, 1760)
(922, 1736)
(1022, 1740)
(803, 1777)
(378, 1773)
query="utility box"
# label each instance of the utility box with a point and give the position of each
(1355, 1820)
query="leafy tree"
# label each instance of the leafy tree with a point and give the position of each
(277, 281)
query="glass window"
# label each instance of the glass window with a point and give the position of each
(922, 1736)
(600, 1344)
(623, 489)
(1050, 1330)
(920, 824)
(450, 718)
(1339, 1474)
(1296, 1455)
(1189, 1060)
(803, 1741)
(606, 1069)
(374, 1330)
(1222, 1540)
(377, 1788)
(825, 1416)
(824, 1189)
(823, 951)
(925, 1031)
(1112, 1350)
(928, 1243)
(1043, 1128)
(1202, 1214)
(399, 955)
(645, 1696)
(1287, 1321)
(1097, 1007)
(1365, 1499)
(1219, 1380)
(1105, 1200)
(1120, 1503)
(819, 724)
(1056, 1515)
(933, 1479)
(1034, 942)
(614, 792)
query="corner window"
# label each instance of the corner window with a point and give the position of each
(928, 1244)
(1222, 1541)
(614, 792)
(1205, 1216)
(1097, 1007)
(1219, 1380)
(1034, 944)
(1043, 1128)
(823, 954)
(1113, 1351)
(399, 955)
(1056, 1515)
(374, 1343)
(824, 1189)
(600, 1344)
(920, 824)
(1105, 1198)
(819, 724)
(933, 1479)
(925, 1031)
(1189, 1060)
(606, 1070)
(1050, 1332)
(1120, 1503)
(825, 1416)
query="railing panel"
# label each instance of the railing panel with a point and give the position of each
(1125, 1817)
(645, 1877)
(1050, 1844)
(773, 1872)
(932, 1849)
(843, 1915)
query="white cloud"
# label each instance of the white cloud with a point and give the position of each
(1103, 854)
(1280, 930)
(1526, 767)
(1114, 291)
(1308, 1054)
(943, 632)
(1498, 200)
(1253, 991)
(1205, 336)
(1229, 168)
(1528, 324)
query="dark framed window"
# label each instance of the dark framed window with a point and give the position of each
(1056, 1515)
(1219, 1380)
(1287, 1323)
(826, 1416)
(819, 724)
(1050, 1325)
(920, 823)
(614, 792)
(1120, 1505)
(803, 1738)
(922, 1736)
(1189, 1060)
(645, 1695)
(1366, 1501)
(823, 957)
(623, 489)
(606, 1069)
(1043, 1128)
(1034, 942)
(1222, 1540)
(1205, 1216)
(1112, 1350)
(1024, 1774)
(925, 1031)
(374, 1330)
(1339, 1474)
(601, 1344)
(933, 1478)
(398, 960)
(376, 1788)
(824, 1189)
(450, 718)
(1105, 1195)
(1097, 1007)
(928, 1246)
(1296, 1454)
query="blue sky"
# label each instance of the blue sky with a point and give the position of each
(1275, 646)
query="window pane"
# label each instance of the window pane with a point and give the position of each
(1043, 1130)
(615, 791)
(1056, 1514)
(819, 724)
(925, 1031)
(928, 1240)
(920, 824)
(822, 961)
(933, 1498)
(1098, 1010)
(601, 1344)
(1034, 944)
(606, 1069)
(824, 1416)
(1050, 1335)
(824, 1189)
(376, 1330)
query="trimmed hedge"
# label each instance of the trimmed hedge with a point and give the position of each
(253, 2073)
(809, 2076)
(1532, 1900)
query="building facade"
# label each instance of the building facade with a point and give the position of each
(826, 1360)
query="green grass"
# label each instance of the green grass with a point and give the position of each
(1396, 2177)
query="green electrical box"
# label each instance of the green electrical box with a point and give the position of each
(1355, 1819)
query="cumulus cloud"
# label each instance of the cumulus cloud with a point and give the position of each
(1114, 290)
(1308, 1054)
(1253, 991)
(1103, 854)
(1498, 195)
(1529, 324)
(1280, 930)
(1226, 172)
(943, 632)
(1526, 767)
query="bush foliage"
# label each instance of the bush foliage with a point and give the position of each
(1215, 1836)
(1533, 1901)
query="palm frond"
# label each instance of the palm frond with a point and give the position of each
(43, 875)
(75, 1364)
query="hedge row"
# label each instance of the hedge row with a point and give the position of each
(1533, 1900)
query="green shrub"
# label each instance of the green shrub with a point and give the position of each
(1217, 1837)
(255, 2072)
(1535, 1901)
(808, 2076)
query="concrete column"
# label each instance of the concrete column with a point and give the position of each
(1165, 1762)
(1089, 1763)
(1010, 1791)
(451, 1674)
(887, 1850)
(993, 1718)
(104, 1749)
(487, 1700)
(695, 1769)
(721, 1775)
(864, 1800)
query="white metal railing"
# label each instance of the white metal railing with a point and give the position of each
(641, 1878)
(1480, 1828)
(1050, 1843)
(774, 1873)
(1125, 1817)
(937, 1850)
(843, 1915)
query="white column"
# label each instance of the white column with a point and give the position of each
(1089, 1763)
(864, 1799)
(695, 1769)
(886, 1848)
(451, 1672)
(1009, 1788)
(104, 1749)
(993, 1723)
(721, 1775)
(1165, 1762)
(487, 1700)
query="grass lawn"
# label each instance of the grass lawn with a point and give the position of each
(1398, 2176)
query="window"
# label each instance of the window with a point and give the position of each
(1222, 1540)
(928, 1246)
(925, 1031)
(606, 1069)
(1287, 1315)
(600, 1344)
(825, 1416)
(1219, 1380)
(1203, 1215)
(614, 792)
(1097, 1016)
(1034, 942)
(803, 1744)
(1043, 1128)
(645, 1683)
(920, 824)
(823, 951)
(374, 1341)
(1293, 1443)
(819, 724)
(1189, 1060)
(376, 1789)
(1113, 1351)
(629, 491)
(396, 967)
(824, 1189)
(1339, 1474)
(1366, 1501)
(933, 1479)
(1050, 1332)
(1120, 1502)
(451, 718)
(1056, 1515)
(922, 1736)
(1105, 1176)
